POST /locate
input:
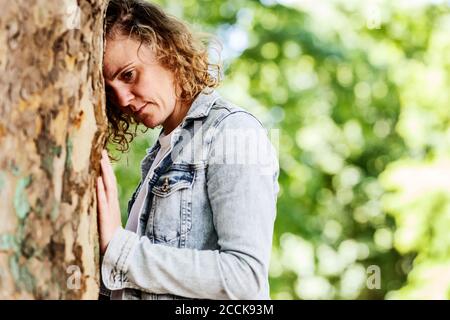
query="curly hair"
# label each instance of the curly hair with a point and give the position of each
(176, 48)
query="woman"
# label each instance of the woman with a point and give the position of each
(201, 220)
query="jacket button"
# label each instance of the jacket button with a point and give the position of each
(165, 186)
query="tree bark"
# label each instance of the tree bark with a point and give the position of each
(52, 130)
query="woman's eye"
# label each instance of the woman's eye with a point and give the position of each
(128, 76)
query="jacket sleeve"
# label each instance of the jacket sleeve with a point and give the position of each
(242, 190)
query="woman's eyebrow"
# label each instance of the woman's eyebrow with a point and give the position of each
(118, 71)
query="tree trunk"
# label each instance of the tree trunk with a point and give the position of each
(52, 130)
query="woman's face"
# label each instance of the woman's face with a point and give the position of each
(138, 85)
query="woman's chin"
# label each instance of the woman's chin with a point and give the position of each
(149, 122)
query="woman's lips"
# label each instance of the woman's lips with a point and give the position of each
(141, 110)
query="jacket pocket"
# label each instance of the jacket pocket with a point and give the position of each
(170, 216)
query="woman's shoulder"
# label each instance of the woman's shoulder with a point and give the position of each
(225, 113)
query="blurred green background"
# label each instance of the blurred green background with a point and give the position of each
(360, 93)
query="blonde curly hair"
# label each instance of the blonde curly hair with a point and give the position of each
(176, 48)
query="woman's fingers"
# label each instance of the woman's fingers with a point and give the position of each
(109, 179)
(103, 214)
(108, 204)
(102, 201)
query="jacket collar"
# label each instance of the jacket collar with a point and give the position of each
(201, 105)
(199, 108)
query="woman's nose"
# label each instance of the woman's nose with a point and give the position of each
(124, 97)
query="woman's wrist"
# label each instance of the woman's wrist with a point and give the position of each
(107, 240)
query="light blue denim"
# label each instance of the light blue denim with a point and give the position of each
(206, 231)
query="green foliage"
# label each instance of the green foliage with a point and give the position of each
(361, 97)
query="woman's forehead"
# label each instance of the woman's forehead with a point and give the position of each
(117, 50)
(122, 51)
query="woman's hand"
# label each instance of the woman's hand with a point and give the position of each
(108, 203)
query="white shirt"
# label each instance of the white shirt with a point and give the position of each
(133, 220)
(138, 205)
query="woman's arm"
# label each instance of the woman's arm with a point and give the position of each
(242, 195)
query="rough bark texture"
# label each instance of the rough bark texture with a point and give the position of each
(52, 125)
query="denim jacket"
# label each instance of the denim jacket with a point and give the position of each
(207, 226)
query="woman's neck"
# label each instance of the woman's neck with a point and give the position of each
(176, 117)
